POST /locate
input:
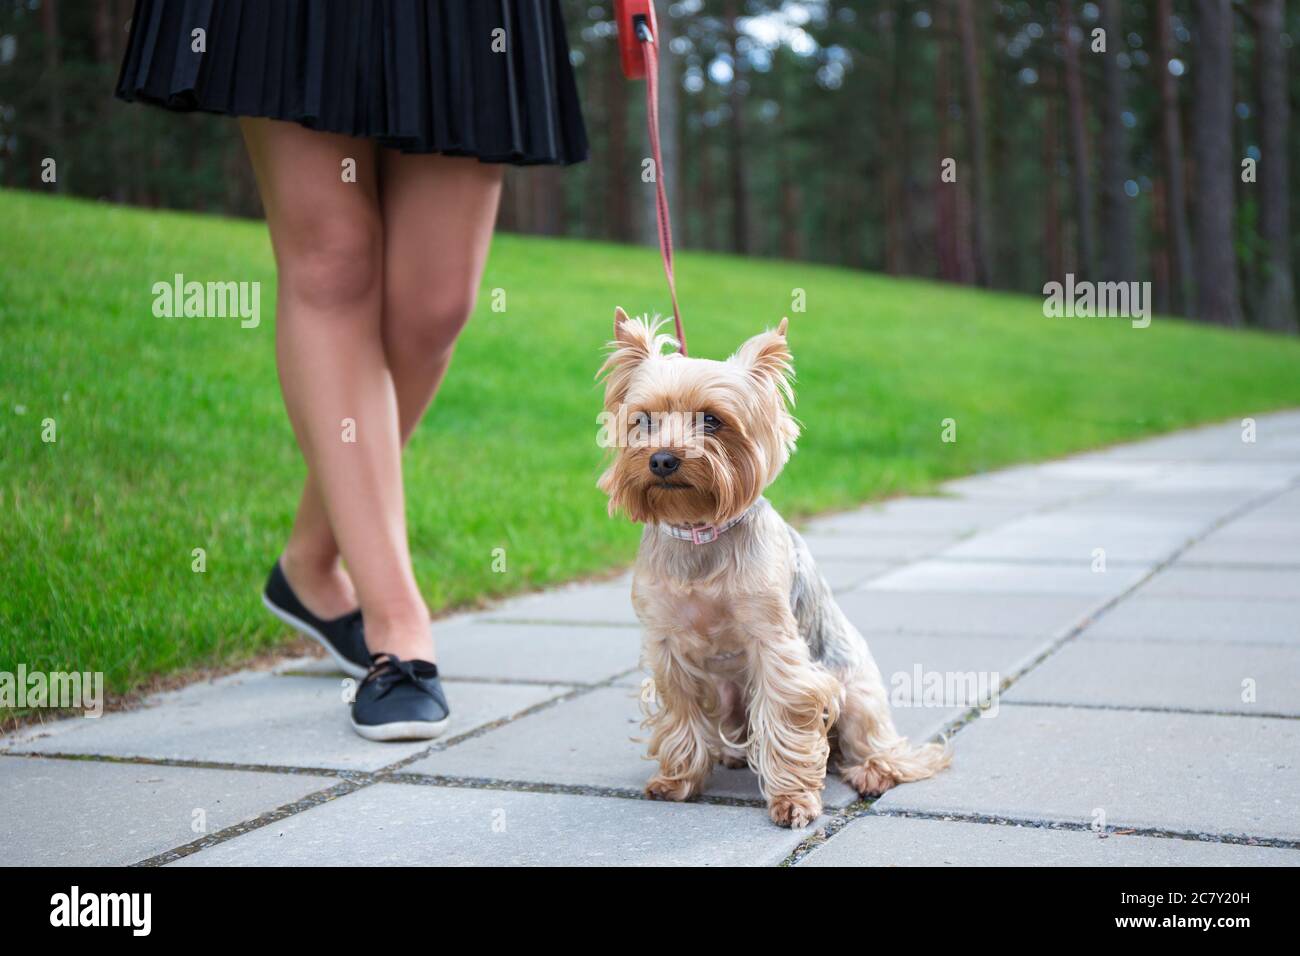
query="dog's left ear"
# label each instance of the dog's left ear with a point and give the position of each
(768, 355)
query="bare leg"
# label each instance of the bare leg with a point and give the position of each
(438, 214)
(328, 241)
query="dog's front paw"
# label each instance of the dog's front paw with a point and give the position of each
(795, 810)
(669, 788)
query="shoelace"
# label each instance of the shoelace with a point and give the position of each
(388, 670)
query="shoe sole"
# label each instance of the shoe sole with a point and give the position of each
(345, 665)
(402, 729)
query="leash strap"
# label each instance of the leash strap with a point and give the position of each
(651, 49)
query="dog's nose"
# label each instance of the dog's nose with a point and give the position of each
(663, 464)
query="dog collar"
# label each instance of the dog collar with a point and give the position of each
(703, 533)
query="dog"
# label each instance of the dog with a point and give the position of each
(753, 662)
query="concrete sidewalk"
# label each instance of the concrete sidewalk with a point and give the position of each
(1150, 711)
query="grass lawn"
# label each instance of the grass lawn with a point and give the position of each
(171, 434)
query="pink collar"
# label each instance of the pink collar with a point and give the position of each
(703, 533)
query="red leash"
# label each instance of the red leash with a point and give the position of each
(636, 25)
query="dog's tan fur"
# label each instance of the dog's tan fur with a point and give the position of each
(753, 662)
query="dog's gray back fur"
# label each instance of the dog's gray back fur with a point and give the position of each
(832, 640)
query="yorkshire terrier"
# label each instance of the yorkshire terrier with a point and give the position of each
(753, 661)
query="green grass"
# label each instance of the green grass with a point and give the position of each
(171, 433)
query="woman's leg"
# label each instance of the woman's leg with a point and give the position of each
(438, 213)
(328, 240)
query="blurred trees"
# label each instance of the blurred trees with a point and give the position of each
(821, 129)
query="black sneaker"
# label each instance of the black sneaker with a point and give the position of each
(343, 637)
(400, 700)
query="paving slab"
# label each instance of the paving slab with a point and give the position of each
(1238, 478)
(594, 740)
(265, 719)
(845, 575)
(606, 603)
(1063, 535)
(1147, 618)
(875, 840)
(1284, 506)
(1203, 505)
(940, 612)
(896, 547)
(1259, 523)
(93, 813)
(1188, 773)
(406, 825)
(1212, 676)
(955, 516)
(1236, 546)
(1119, 549)
(985, 577)
(969, 669)
(1221, 442)
(1057, 481)
(557, 654)
(1227, 584)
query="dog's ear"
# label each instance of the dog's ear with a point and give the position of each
(767, 355)
(635, 340)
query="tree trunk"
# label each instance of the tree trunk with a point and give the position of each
(736, 139)
(106, 57)
(1079, 143)
(53, 75)
(788, 201)
(904, 45)
(1180, 243)
(707, 198)
(945, 194)
(621, 176)
(1216, 261)
(975, 146)
(546, 189)
(1053, 257)
(894, 164)
(1119, 252)
(1160, 247)
(1277, 297)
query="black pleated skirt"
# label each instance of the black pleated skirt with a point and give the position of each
(484, 78)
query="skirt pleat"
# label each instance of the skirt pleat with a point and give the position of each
(421, 76)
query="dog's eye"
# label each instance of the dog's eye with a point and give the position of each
(640, 421)
(711, 423)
